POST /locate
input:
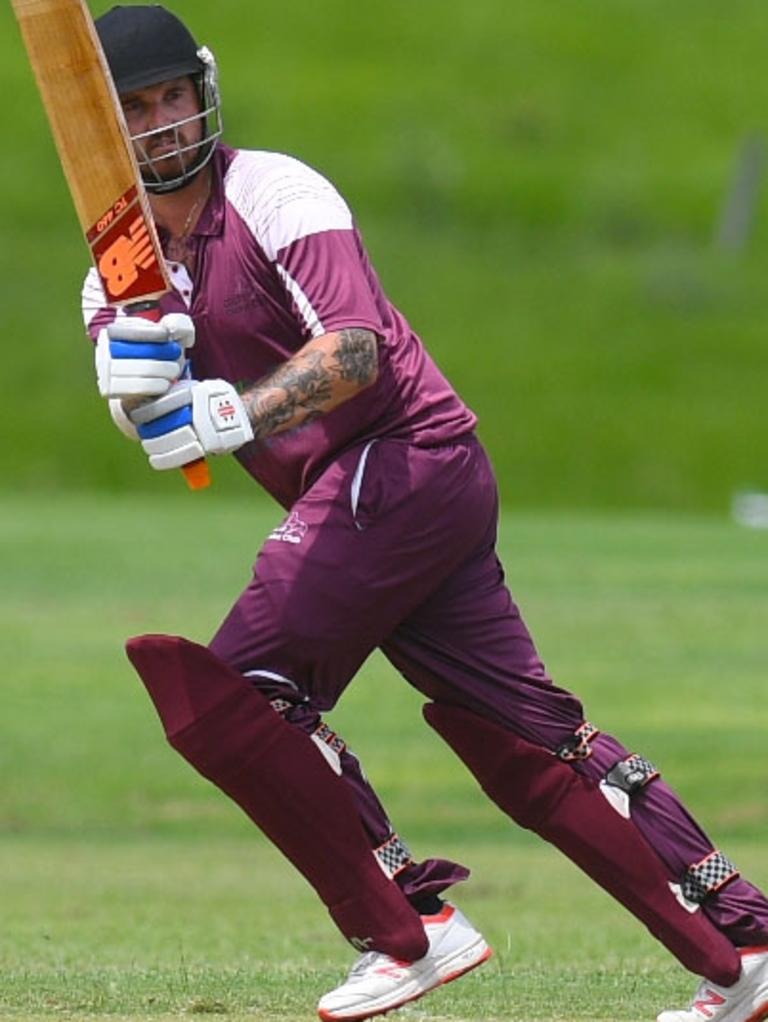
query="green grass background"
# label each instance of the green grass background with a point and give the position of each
(541, 187)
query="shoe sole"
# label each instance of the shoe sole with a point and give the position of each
(455, 973)
(761, 1015)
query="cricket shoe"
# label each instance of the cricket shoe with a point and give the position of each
(378, 983)
(745, 1001)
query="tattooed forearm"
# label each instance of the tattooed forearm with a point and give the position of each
(325, 373)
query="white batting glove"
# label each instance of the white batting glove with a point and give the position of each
(138, 358)
(121, 420)
(195, 418)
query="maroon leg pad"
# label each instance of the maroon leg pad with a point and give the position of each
(229, 732)
(547, 796)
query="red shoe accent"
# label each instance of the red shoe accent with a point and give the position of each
(711, 999)
(442, 916)
(469, 968)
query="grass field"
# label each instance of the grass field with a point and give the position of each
(130, 889)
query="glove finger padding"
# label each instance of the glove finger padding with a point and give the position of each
(121, 419)
(176, 327)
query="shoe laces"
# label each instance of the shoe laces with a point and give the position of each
(365, 962)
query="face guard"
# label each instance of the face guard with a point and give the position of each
(146, 45)
(191, 156)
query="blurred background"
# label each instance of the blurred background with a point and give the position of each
(567, 201)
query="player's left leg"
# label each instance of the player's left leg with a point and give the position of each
(288, 779)
(228, 731)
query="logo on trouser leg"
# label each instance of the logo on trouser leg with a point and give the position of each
(361, 943)
(292, 530)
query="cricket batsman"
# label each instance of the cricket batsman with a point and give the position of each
(278, 344)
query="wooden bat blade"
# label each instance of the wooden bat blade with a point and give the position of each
(93, 145)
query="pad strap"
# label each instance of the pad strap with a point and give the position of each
(393, 856)
(707, 876)
(631, 774)
(577, 747)
(323, 733)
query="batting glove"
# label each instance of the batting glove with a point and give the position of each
(195, 418)
(138, 358)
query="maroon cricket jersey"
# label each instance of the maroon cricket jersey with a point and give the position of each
(279, 261)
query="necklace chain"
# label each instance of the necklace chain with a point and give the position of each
(201, 199)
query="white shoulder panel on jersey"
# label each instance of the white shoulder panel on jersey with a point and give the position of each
(283, 200)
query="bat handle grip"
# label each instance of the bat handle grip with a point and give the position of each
(196, 473)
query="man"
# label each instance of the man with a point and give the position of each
(300, 366)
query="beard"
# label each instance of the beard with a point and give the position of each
(168, 153)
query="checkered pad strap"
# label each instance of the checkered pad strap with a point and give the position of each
(393, 856)
(708, 876)
(632, 774)
(578, 745)
(323, 733)
(280, 705)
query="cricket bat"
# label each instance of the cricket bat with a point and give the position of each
(96, 154)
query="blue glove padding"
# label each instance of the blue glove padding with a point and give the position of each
(194, 419)
(168, 352)
(165, 423)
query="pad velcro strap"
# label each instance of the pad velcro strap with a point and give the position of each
(708, 876)
(280, 705)
(323, 733)
(393, 856)
(578, 745)
(631, 774)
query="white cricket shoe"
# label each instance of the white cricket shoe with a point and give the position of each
(378, 983)
(745, 1001)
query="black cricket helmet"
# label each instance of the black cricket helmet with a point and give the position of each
(145, 45)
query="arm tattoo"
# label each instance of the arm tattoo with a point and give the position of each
(312, 382)
(356, 356)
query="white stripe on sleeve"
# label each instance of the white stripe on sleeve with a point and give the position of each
(303, 304)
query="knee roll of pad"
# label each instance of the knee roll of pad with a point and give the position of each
(625, 779)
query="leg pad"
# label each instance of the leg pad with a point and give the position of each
(546, 795)
(230, 733)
